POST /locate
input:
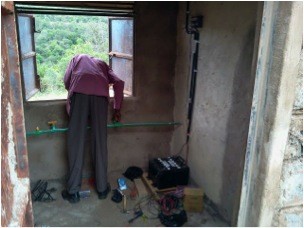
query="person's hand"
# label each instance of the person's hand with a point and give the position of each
(116, 116)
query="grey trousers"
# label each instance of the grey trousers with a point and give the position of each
(82, 107)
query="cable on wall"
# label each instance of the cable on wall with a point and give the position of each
(192, 26)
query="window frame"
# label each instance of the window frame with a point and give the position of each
(133, 43)
(129, 15)
(37, 79)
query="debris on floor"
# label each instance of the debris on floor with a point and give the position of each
(41, 193)
(163, 198)
(106, 213)
(138, 198)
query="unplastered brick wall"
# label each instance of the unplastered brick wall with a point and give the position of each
(290, 207)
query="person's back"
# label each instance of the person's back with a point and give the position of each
(85, 64)
(88, 75)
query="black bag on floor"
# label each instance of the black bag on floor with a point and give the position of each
(133, 172)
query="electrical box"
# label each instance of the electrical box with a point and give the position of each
(197, 22)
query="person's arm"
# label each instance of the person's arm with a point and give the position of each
(68, 75)
(118, 86)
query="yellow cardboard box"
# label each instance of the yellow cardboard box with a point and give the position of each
(193, 199)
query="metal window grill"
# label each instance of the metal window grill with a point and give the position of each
(121, 9)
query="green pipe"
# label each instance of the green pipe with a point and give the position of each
(113, 125)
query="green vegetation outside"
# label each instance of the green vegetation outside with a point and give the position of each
(61, 38)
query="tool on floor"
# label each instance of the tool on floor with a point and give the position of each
(84, 194)
(137, 214)
(124, 208)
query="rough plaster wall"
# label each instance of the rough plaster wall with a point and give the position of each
(278, 59)
(47, 153)
(181, 83)
(223, 97)
(20, 195)
(155, 51)
(289, 211)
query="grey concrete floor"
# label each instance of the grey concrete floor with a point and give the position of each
(94, 212)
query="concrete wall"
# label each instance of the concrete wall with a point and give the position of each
(274, 92)
(155, 51)
(289, 211)
(223, 97)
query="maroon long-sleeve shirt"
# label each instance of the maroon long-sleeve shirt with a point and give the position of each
(92, 76)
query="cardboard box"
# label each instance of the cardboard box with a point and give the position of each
(193, 199)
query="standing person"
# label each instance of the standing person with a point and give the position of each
(87, 80)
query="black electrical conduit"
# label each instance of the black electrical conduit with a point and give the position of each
(192, 30)
(192, 85)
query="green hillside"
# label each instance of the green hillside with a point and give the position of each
(61, 38)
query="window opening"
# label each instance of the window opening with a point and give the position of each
(56, 39)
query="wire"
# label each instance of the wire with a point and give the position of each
(181, 149)
(168, 203)
(135, 206)
(146, 204)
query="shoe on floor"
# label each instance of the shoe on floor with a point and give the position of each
(72, 198)
(104, 194)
